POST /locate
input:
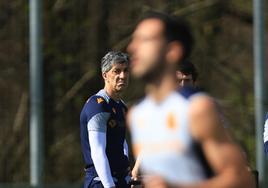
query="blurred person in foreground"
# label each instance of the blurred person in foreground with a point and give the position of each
(186, 74)
(103, 130)
(178, 136)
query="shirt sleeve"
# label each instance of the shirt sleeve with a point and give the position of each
(97, 141)
(98, 122)
(97, 113)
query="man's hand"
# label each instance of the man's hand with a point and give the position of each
(134, 174)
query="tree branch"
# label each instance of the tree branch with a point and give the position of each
(72, 92)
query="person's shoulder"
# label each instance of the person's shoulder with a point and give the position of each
(199, 99)
(188, 92)
(96, 100)
(206, 119)
(96, 104)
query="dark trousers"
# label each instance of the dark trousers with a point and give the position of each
(98, 184)
(91, 183)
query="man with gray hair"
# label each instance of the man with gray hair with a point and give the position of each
(103, 130)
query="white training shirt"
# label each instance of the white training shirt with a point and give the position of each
(162, 139)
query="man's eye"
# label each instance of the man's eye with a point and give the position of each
(116, 71)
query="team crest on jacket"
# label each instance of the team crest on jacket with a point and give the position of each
(99, 100)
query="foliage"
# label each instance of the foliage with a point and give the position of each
(76, 34)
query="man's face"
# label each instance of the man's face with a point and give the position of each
(117, 77)
(147, 48)
(184, 80)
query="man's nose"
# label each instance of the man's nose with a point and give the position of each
(122, 74)
(131, 46)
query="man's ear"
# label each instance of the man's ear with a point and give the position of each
(174, 52)
(104, 75)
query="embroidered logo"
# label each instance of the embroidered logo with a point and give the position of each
(171, 121)
(99, 100)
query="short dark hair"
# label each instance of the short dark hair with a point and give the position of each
(188, 68)
(176, 29)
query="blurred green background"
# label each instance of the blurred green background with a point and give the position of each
(76, 34)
